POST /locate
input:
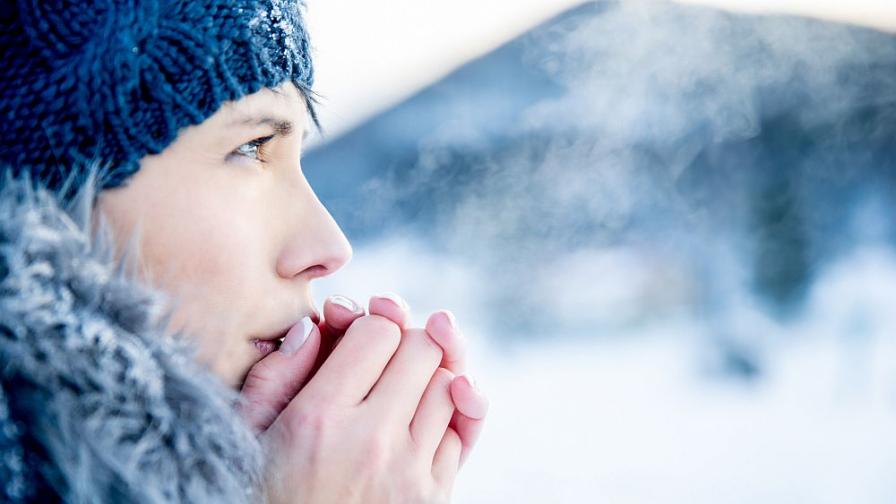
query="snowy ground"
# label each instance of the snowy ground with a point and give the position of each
(633, 423)
(634, 417)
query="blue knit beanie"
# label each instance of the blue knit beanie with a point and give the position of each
(109, 81)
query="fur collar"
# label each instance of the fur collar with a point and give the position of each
(96, 404)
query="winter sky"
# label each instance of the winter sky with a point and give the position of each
(371, 55)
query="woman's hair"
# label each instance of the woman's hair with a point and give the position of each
(106, 82)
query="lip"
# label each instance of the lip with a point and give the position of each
(271, 342)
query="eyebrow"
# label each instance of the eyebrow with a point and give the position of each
(281, 126)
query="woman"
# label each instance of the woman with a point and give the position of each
(157, 242)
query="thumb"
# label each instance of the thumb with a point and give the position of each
(277, 378)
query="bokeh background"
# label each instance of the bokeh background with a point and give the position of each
(667, 230)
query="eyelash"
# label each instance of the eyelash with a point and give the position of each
(255, 144)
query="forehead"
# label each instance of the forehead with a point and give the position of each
(285, 101)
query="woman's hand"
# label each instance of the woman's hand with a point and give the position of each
(403, 387)
(275, 380)
(372, 424)
(470, 403)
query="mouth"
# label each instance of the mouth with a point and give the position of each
(271, 342)
(266, 347)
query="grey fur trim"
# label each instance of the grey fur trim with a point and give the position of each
(96, 403)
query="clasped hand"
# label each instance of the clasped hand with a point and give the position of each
(366, 409)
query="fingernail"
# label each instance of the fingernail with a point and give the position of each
(478, 408)
(451, 320)
(345, 302)
(472, 383)
(396, 299)
(297, 336)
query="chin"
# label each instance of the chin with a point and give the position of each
(231, 373)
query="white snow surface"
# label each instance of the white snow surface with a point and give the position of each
(635, 416)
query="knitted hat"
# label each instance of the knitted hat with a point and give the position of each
(110, 81)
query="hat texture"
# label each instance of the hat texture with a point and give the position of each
(111, 81)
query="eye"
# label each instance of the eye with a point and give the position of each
(252, 149)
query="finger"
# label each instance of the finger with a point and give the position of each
(392, 306)
(340, 312)
(442, 326)
(401, 386)
(356, 363)
(468, 399)
(468, 420)
(276, 379)
(433, 414)
(468, 429)
(446, 461)
(328, 342)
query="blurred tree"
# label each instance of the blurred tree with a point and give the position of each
(782, 272)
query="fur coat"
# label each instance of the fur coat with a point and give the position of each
(97, 404)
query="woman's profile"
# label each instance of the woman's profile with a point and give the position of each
(158, 242)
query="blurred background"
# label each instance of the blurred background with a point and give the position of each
(667, 230)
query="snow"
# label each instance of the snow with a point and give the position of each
(633, 423)
(637, 416)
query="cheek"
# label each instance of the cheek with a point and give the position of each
(216, 270)
(209, 254)
(213, 256)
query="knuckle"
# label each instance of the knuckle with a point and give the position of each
(424, 341)
(375, 453)
(260, 374)
(443, 377)
(381, 326)
(262, 385)
(312, 421)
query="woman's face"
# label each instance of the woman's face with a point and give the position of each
(230, 228)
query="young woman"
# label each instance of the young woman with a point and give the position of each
(157, 243)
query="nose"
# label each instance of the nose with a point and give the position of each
(316, 246)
